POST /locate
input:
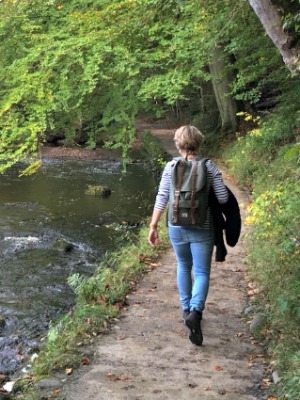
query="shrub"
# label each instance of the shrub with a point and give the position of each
(267, 160)
(250, 157)
(99, 300)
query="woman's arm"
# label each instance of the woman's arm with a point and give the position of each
(153, 239)
(217, 183)
(161, 202)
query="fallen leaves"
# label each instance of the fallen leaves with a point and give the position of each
(132, 284)
(252, 289)
(122, 337)
(150, 262)
(218, 368)
(154, 265)
(56, 393)
(254, 358)
(85, 361)
(68, 371)
(101, 300)
(265, 383)
(114, 377)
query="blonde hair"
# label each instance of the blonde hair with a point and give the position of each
(188, 138)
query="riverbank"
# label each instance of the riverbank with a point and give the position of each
(162, 132)
(55, 225)
(78, 153)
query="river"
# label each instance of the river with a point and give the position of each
(51, 226)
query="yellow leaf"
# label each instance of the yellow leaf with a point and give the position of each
(32, 169)
(69, 371)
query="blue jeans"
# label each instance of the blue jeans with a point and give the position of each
(193, 249)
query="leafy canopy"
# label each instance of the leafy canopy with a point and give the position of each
(86, 69)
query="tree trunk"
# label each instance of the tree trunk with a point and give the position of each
(221, 80)
(271, 21)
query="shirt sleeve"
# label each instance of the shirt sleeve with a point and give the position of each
(163, 193)
(217, 183)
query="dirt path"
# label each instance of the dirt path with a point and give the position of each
(147, 355)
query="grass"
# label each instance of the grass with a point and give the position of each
(99, 299)
(267, 160)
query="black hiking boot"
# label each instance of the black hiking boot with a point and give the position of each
(185, 314)
(193, 322)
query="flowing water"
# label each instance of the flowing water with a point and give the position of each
(51, 226)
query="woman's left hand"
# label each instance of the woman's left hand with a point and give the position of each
(153, 239)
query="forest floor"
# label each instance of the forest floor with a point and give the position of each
(146, 354)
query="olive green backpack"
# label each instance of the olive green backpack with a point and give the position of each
(188, 200)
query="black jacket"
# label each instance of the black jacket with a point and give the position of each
(226, 217)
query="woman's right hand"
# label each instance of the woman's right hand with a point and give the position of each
(153, 239)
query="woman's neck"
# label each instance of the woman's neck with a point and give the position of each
(188, 156)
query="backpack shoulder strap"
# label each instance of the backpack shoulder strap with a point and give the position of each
(181, 166)
(193, 191)
(204, 161)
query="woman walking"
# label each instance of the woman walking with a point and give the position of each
(192, 245)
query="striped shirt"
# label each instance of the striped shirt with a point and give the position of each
(215, 181)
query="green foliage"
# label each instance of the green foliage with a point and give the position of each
(98, 300)
(274, 263)
(72, 64)
(84, 70)
(291, 382)
(257, 63)
(291, 17)
(152, 152)
(274, 214)
(250, 157)
(267, 159)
